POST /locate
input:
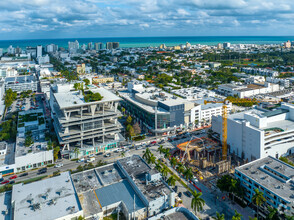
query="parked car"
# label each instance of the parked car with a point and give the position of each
(11, 182)
(58, 165)
(118, 150)
(180, 194)
(153, 142)
(107, 155)
(81, 160)
(91, 159)
(4, 182)
(13, 177)
(99, 153)
(161, 142)
(43, 170)
(1, 179)
(23, 174)
(139, 147)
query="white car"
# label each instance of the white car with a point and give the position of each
(58, 165)
(118, 150)
(139, 147)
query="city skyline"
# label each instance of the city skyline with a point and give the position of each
(44, 19)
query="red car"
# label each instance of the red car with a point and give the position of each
(4, 182)
(153, 142)
(13, 177)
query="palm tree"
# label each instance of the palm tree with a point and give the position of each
(166, 153)
(237, 216)
(77, 151)
(258, 199)
(151, 159)
(146, 154)
(181, 168)
(197, 202)
(164, 170)
(219, 216)
(232, 187)
(123, 154)
(173, 161)
(188, 174)
(171, 180)
(288, 217)
(160, 149)
(272, 212)
(158, 167)
(81, 218)
(252, 218)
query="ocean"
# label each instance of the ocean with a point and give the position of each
(126, 42)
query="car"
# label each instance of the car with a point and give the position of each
(43, 170)
(58, 165)
(1, 179)
(99, 153)
(153, 142)
(23, 174)
(91, 159)
(139, 147)
(13, 177)
(81, 160)
(107, 155)
(161, 142)
(4, 182)
(118, 150)
(11, 182)
(180, 194)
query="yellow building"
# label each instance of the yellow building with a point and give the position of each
(81, 68)
(102, 80)
(177, 47)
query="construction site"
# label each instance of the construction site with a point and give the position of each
(205, 156)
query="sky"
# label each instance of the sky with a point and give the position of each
(45, 19)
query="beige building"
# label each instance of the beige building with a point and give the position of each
(102, 79)
(81, 68)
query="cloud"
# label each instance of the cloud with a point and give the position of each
(92, 18)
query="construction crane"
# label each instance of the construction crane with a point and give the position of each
(224, 127)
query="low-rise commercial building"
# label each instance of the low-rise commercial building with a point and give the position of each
(21, 83)
(273, 178)
(102, 79)
(52, 198)
(259, 133)
(194, 93)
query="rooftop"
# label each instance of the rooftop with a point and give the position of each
(51, 198)
(75, 98)
(5, 206)
(272, 174)
(121, 191)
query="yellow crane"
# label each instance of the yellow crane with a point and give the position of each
(224, 128)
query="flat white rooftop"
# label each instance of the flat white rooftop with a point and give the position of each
(75, 99)
(51, 198)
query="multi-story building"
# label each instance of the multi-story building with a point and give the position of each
(92, 126)
(112, 45)
(21, 83)
(81, 68)
(51, 48)
(90, 46)
(213, 109)
(248, 90)
(272, 177)
(39, 51)
(260, 71)
(98, 46)
(259, 133)
(283, 82)
(287, 44)
(158, 111)
(226, 45)
(73, 46)
(1, 52)
(31, 124)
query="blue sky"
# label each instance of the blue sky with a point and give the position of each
(34, 19)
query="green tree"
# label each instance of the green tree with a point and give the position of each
(81, 218)
(173, 161)
(258, 200)
(166, 153)
(197, 202)
(49, 145)
(146, 154)
(56, 152)
(219, 216)
(252, 218)
(158, 166)
(29, 139)
(233, 187)
(181, 168)
(130, 131)
(123, 154)
(87, 82)
(237, 216)
(188, 174)
(171, 180)
(272, 213)
(164, 170)
(10, 97)
(77, 151)
(160, 149)
(129, 120)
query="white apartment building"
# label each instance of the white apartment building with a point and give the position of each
(212, 109)
(260, 71)
(259, 133)
(283, 82)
